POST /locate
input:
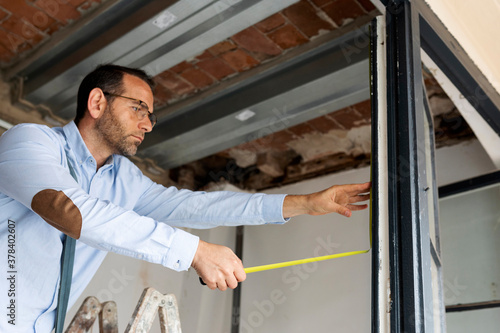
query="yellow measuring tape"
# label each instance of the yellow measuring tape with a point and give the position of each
(314, 259)
(301, 261)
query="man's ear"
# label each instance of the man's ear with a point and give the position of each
(96, 104)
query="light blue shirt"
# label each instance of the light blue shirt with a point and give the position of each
(121, 210)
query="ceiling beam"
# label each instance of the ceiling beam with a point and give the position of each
(163, 39)
(325, 79)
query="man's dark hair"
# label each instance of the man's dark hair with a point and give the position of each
(108, 78)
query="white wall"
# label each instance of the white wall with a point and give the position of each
(475, 25)
(469, 240)
(462, 161)
(326, 296)
(331, 295)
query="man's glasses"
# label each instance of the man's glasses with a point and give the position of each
(141, 108)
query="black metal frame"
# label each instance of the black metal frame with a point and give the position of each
(412, 26)
(407, 314)
(469, 184)
(375, 168)
(236, 308)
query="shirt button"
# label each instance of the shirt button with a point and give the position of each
(176, 265)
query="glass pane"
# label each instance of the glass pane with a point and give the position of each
(470, 246)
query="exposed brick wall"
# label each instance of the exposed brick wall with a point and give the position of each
(350, 117)
(24, 24)
(266, 40)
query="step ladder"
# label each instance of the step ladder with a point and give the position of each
(151, 301)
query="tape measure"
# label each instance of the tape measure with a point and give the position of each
(302, 261)
(314, 259)
(308, 260)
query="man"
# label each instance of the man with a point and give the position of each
(112, 206)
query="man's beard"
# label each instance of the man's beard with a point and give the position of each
(114, 135)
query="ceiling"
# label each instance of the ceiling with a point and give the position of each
(256, 93)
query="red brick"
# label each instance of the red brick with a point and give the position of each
(222, 47)
(342, 10)
(367, 5)
(86, 6)
(347, 118)
(271, 23)
(240, 60)
(256, 43)
(204, 55)
(44, 22)
(197, 78)
(162, 95)
(175, 83)
(31, 14)
(54, 28)
(216, 67)
(323, 124)
(321, 3)
(302, 129)
(179, 68)
(364, 109)
(19, 8)
(3, 14)
(5, 54)
(10, 41)
(23, 29)
(287, 37)
(304, 16)
(59, 10)
(76, 3)
(277, 141)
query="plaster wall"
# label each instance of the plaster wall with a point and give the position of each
(475, 25)
(325, 296)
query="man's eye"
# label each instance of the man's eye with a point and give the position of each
(136, 108)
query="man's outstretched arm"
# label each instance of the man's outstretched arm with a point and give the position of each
(341, 199)
(220, 268)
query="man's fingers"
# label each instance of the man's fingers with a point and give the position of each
(222, 285)
(357, 207)
(232, 282)
(359, 198)
(240, 275)
(359, 188)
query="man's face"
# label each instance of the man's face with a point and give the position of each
(119, 127)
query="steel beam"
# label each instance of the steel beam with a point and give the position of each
(166, 37)
(330, 77)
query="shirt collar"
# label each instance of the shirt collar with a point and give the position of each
(76, 143)
(82, 153)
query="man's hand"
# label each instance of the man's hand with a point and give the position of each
(339, 199)
(218, 266)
